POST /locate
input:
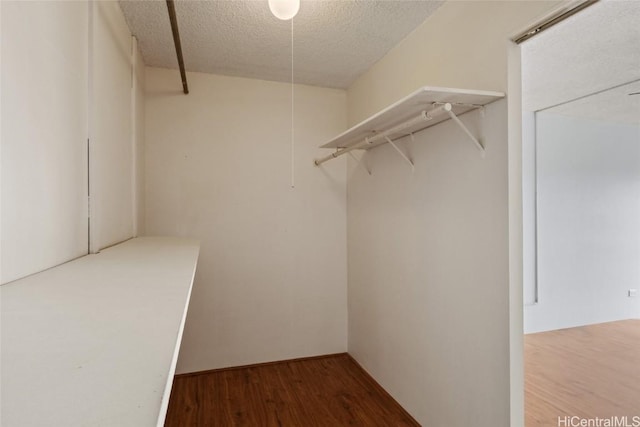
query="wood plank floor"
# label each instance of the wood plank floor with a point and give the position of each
(589, 371)
(326, 391)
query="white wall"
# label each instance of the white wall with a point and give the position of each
(138, 144)
(429, 288)
(559, 65)
(44, 135)
(66, 73)
(529, 208)
(271, 279)
(111, 150)
(588, 222)
(1, 133)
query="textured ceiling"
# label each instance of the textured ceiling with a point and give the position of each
(594, 50)
(334, 41)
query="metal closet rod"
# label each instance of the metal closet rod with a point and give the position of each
(424, 116)
(176, 40)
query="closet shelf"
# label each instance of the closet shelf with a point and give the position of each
(94, 341)
(423, 108)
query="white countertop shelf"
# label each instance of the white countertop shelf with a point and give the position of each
(94, 342)
(462, 101)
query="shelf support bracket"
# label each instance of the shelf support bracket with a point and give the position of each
(404, 156)
(466, 130)
(353, 156)
(360, 160)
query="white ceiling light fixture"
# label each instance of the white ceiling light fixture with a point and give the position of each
(284, 9)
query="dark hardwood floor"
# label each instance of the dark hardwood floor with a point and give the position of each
(327, 391)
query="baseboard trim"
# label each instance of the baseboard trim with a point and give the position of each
(257, 365)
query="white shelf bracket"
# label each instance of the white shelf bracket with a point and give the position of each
(360, 160)
(404, 156)
(353, 156)
(466, 130)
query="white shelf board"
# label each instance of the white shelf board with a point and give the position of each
(94, 342)
(409, 107)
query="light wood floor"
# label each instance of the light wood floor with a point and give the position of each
(328, 391)
(589, 371)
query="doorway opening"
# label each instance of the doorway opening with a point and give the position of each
(580, 217)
